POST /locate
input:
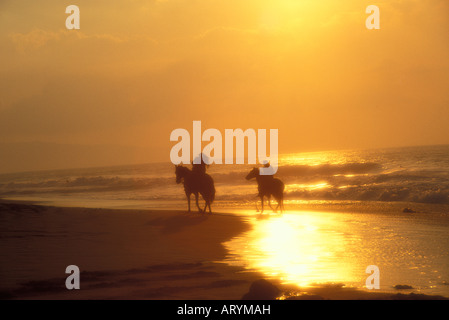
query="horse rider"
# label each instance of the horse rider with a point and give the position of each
(199, 168)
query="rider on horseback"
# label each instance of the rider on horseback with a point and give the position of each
(199, 165)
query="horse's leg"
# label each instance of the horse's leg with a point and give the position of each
(280, 203)
(277, 207)
(197, 204)
(188, 200)
(207, 205)
(269, 203)
(261, 198)
(257, 207)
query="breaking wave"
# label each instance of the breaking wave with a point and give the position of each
(407, 174)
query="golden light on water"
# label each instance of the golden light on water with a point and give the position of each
(296, 186)
(316, 158)
(301, 248)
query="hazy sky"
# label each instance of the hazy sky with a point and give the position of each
(137, 69)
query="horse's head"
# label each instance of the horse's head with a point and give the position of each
(180, 173)
(252, 174)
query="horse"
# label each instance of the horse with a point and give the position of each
(196, 183)
(268, 186)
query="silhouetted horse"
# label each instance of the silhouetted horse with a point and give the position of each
(268, 186)
(195, 183)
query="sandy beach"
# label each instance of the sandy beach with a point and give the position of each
(133, 254)
(122, 254)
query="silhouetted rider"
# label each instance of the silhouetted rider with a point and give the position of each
(200, 166)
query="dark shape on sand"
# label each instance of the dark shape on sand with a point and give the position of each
(268, 186)
(402, 287)
(262, 290)
(196, 182)
(408, 210)
(416, 296)
(306, 296)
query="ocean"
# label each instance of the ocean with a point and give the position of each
(411, 174)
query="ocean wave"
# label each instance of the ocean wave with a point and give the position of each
(83, 184)
(373, 193)
(330, 169)
(305, 172)
(371, 180)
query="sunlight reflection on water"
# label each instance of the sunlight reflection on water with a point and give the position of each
(310, 248)
(300, 248)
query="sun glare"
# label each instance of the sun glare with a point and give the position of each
(301, 249)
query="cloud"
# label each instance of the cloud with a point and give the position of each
(38, 38)
(33, 40)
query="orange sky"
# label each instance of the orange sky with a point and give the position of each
(138, 69)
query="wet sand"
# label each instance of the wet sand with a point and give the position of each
(131, 254)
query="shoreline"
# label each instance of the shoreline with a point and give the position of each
(347, 206)
(133, 254)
